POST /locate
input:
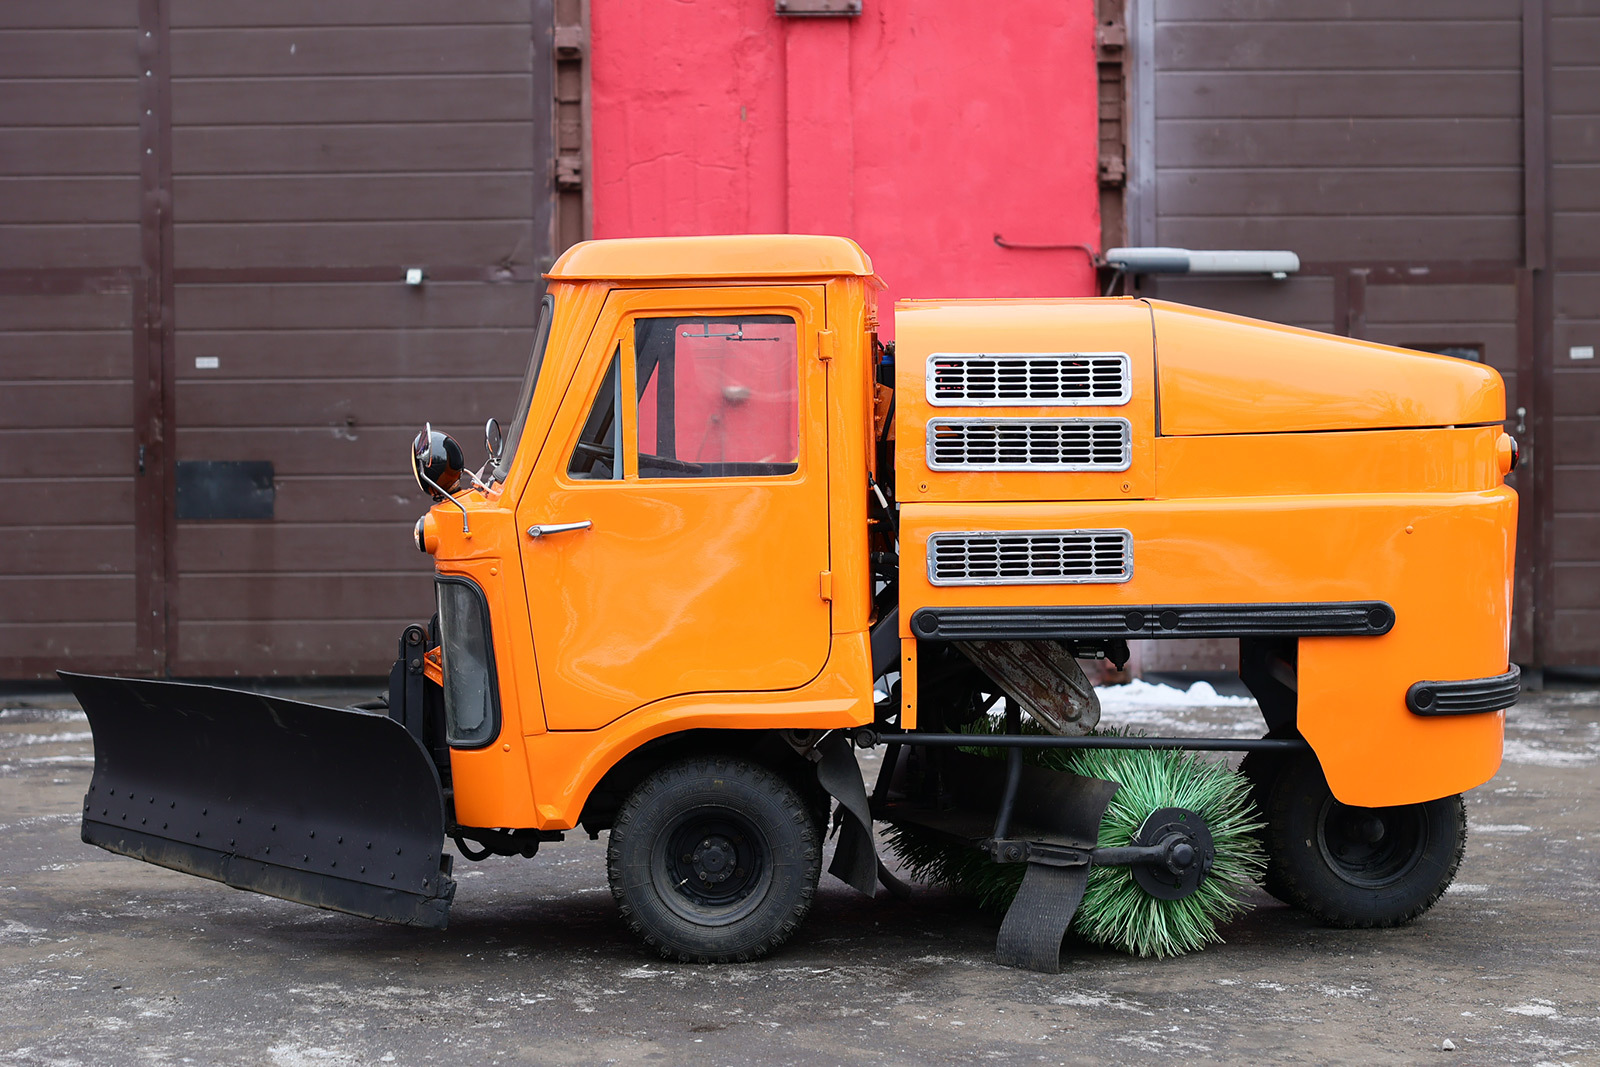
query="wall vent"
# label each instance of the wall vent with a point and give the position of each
(1029, 444)
(1033, 557)
(1029, 378)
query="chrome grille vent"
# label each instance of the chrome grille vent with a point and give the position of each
(1029, 444)
(1024, 378)
(1037, 557)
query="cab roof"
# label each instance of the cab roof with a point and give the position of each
(756, 255)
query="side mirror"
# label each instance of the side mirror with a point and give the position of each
(493, 440)
(437, 462)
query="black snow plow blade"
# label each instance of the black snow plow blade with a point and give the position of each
(333, 808)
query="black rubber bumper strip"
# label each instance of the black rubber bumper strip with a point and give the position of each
(1474, 696)
(1362, 618)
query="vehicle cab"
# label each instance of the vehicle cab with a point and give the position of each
(674, 533)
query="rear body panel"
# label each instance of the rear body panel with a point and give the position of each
(1291, 471)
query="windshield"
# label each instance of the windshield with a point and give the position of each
(541, 336)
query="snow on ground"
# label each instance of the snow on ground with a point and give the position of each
(1142, 694)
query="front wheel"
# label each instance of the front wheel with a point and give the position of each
(1358, 867)
(714, 860)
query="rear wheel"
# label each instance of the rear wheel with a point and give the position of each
(714, 860)
(1359, 867)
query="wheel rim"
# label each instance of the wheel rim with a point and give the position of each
(711, 866)
(1371, 847)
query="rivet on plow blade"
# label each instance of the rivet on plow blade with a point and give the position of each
(280, 761)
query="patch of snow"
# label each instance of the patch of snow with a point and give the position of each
(1099, 1000)
(1142, 694)
(1502, 828)
(38, 820)
(310, 1056)
(14, 931)
(1533, 753)
(42, 715)
(1466, 887)
(1537, 1010)
(1348, 991)
(19, 740)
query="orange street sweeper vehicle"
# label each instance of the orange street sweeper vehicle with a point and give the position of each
(727, 536)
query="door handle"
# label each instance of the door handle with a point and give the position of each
(544, 529)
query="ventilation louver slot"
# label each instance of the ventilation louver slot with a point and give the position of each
(1029, 444)
(1029, 378)
(1038, 557)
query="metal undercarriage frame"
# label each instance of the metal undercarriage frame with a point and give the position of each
(1049, 820)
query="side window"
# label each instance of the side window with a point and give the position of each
(595, 454)
(719, 396)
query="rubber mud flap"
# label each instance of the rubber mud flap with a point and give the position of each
(330, 807)
(855, 858)
(1037, 921)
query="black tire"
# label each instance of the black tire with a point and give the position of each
(1261, 770)
(1359, 867)
(714, 860)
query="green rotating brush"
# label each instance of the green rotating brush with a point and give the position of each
(1115, 911)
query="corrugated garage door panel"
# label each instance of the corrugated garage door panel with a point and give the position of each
(1304, 302)
(329, 381)
(67, 582)
(69, 198)
(354, 138)
(1354, 134)
(1377, 133)
(307, 138)
(69, 137)
(1575, 154)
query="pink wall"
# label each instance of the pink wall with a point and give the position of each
(920, 129)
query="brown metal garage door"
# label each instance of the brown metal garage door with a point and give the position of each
(76, 581)
(1573, 590)
(1386, 145)
(211, 209)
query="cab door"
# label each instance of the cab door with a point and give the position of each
(675, 530)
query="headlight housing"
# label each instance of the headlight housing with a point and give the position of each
(471, 689)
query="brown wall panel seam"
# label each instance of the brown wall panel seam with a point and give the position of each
(1355, 303)
(65, 281)
(1417, 272)
(1537, 226)
(152, 432)
(167, 351)
(588, 128)
(1529, 562)
(543, 89)
(381, 273)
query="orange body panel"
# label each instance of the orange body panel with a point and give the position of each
(1265, 465)
(1355, 461)
(926, 328)
(1224, 374)
(567, 764)
(492, 784)
(1283, 466)
(704, 258)
(655, 599)
(1442, 561)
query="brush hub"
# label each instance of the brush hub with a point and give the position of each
(1184, 857)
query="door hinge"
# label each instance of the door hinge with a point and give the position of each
(825, 585)
(825, 339)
